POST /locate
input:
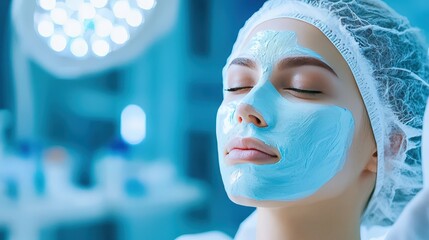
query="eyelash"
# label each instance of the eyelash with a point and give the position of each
(237, 89)
(311, 92)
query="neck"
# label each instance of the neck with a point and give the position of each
(292, 223)
(332, 219)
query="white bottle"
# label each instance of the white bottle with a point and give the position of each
(109, 172)
(56, 167)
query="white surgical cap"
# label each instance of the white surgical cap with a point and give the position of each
(389, 62)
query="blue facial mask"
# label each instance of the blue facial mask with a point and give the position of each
(313, 139)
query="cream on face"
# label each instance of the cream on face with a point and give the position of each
(312, 139)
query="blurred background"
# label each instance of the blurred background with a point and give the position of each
(107, 116)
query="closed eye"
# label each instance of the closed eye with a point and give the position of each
(311, 92)
(238, 88)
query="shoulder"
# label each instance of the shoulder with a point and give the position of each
(213, 235)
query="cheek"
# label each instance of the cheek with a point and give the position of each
(353, 166)
(359, 153)
(363, 138)
(224, 121)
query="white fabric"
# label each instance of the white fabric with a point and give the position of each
(247, 230)
(213, 235)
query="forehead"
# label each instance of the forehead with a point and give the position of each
(269, 46)
(310, 37)
(306, 36)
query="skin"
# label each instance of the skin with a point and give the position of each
(335, 210)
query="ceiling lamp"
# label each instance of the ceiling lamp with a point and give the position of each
(71, 38)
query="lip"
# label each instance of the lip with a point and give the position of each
(250, 150)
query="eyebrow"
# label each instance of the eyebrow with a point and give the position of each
(303, 61)
(245, 62)
(286, 63)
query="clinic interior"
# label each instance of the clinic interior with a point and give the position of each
(126, 149)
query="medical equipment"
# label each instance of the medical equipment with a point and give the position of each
(71, 38)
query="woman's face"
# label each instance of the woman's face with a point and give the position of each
(292, 127)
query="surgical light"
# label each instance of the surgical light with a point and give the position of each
(134, 18)
(59, 15)
(58, 42)
(146, 4)
(76, 37)
(45, 28)
(100, 48)
(99, 3)
(121, 8)
(103, 27)
(119, 35)
(73, 28)
(74, 4)
(86, 11)
(47, 4)
(79, 47)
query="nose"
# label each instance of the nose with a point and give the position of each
(246, 113)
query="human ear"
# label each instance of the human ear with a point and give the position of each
(396, 145)
(372, 163)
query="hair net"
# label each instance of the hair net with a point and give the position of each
(389, 62)
(414, 220)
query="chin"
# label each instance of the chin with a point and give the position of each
(249, 202)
